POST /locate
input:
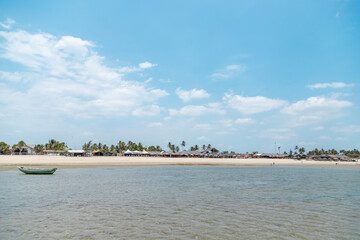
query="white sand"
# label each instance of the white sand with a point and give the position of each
(8, 162)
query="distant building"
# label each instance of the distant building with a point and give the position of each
(54, 152)
(76, 153)
(26, 150)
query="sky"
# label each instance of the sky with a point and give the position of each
(242, 76)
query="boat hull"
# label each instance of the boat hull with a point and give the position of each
(37, 170)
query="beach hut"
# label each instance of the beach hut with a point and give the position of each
(144, 153)
(76, 153)
(97, 153)
(155, 154)
(25, 150)
(128, 153)
(54, 152)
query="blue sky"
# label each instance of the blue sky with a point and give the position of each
(240, 75)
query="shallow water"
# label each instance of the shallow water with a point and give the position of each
(181, 203)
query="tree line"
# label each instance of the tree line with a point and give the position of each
(38, 148)
(122, 146)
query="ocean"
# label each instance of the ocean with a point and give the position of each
(181, 203)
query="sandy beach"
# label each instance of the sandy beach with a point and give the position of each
(9, 162)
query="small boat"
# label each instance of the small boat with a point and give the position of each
(37, 170)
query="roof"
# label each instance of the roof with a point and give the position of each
(53, 151)
(76, 151)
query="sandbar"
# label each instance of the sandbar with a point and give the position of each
(9, 162)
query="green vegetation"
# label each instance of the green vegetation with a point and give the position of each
(19, 145)
(121, 146)
(118, 148)
(55, 145)
(4, 148)
(39, 148)
(352, 153)
(323, 152)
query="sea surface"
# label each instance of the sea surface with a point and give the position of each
(181, 203)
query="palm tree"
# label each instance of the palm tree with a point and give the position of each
(38, 148)
(120, 146)
(20, 145)
(296, 148)
(177, 148)
(87, 146)
(50, 145)
(94, 147)
(112, 148)
(183, 143)
(140, 147)
(301, 150)
(104, 149)
(4, 148)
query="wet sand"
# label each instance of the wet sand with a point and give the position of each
(9, 162)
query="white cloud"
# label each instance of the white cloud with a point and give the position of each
(186, 96)
(148, 80)
(319, 128)
(220, 76)
(145, 65)
(350, 129)
(239, 121)
(7, 24)
(330, 85)
(229, 71)
(244, 121)
(74, 45)
(239, 67)
(141, 66)
(66, 76)
(11, 77)
(147, 111)
(227, 123)
(198, 110)
(315, 108)
(251, 105)
(337, 14)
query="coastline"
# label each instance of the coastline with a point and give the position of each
(10, 162)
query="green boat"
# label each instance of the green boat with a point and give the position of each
(37, 170)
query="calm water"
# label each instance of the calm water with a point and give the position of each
(181, 203)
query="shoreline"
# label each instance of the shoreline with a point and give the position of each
(10, 162)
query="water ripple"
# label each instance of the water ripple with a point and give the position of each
(181, 203)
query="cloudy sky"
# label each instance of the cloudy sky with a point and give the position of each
(241, 75)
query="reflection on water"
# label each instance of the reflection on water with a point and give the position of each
(181, 203)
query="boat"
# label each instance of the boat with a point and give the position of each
(37, 170)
